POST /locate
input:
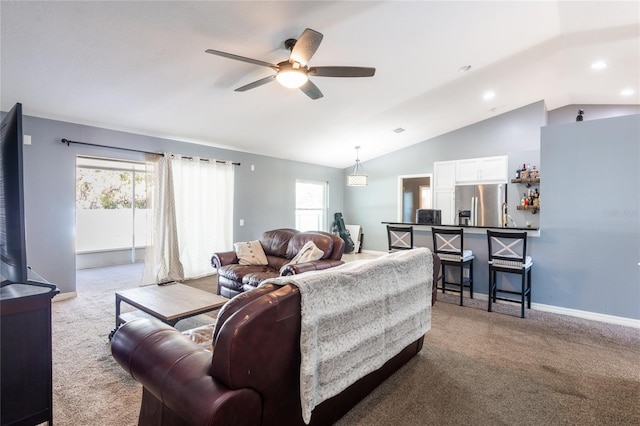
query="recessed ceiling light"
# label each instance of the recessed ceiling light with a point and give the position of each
(627, 92)
(598, 65)
(488, 95)
(464, 68)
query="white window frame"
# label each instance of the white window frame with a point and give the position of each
(111, 164)
(321, 211)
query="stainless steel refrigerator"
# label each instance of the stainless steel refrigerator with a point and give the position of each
(481, 205)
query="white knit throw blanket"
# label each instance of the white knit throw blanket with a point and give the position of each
(356, 317)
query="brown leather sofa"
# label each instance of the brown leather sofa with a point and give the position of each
(252, 376)
(280, 246)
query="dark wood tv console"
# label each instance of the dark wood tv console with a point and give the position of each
(25, 350)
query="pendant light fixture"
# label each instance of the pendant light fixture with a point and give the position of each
(358, 177)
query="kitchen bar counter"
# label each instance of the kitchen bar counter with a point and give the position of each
(531, 232)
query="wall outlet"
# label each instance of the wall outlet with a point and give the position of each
(26, 139)
(465, 273)
(241, 222)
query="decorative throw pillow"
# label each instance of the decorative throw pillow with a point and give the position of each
(307, 253)
(250, 253)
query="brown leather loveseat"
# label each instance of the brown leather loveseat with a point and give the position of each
(280, 247)
(253, 375)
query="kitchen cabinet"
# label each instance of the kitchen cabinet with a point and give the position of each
(444, 183)
(444, 200)
(481, 170)
(444, 175)
(472, 171)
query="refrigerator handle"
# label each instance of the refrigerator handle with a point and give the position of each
(475, 211)
(474, 205)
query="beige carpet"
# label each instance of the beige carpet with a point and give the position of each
(476, 368)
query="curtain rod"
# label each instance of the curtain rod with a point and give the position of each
(68, 142)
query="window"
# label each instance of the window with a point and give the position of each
(311, 206)
(111, 205)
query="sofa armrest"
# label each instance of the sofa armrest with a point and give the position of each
(315, 265)
(176, 371)
(223, 258)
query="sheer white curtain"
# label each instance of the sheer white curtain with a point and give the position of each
(193, 216)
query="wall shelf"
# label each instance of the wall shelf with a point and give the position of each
(528, 182)
(534, 209)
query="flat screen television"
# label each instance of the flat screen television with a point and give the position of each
(13, 252)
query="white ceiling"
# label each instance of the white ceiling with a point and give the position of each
(141, 67)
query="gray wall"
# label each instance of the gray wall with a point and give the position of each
(264, 198)
(587, 257)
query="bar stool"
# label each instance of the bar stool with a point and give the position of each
(508, 254)
(399, 237)
(448, 244)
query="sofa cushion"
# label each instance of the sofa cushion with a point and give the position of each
(322, 241)
(250, 253)
(276, 242)
(308, 253)
(253, 279)
(236, 272)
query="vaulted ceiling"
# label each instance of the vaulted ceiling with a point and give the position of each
(141, 67)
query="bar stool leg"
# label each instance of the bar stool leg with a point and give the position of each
(471, 279)
(524, 294)
(444, 278)
(461, 282)
(490, 287)
(529, 279)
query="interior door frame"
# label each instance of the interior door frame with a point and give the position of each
(400, 192)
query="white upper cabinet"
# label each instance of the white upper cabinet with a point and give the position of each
(444, 175)
(481, 170)
(467, 170)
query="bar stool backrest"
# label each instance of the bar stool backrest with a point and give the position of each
(400, 237)
(508, 249)
(448, 243)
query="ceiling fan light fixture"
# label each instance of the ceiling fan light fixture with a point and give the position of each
(292, 78)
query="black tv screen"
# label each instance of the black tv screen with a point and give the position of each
(13, 253)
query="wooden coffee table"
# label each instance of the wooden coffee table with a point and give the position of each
(169, 303)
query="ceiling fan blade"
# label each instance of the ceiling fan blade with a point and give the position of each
(342, 71)
(242, 58)
(311, 90)
(306, 46)
(256, 83)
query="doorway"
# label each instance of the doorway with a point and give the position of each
(414, 192)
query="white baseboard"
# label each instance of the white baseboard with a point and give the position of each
(611, 319)
(594, 316)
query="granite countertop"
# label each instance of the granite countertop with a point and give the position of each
(461, 226)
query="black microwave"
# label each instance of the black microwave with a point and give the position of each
(428, 217)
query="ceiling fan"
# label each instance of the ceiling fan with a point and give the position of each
(295, 72)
